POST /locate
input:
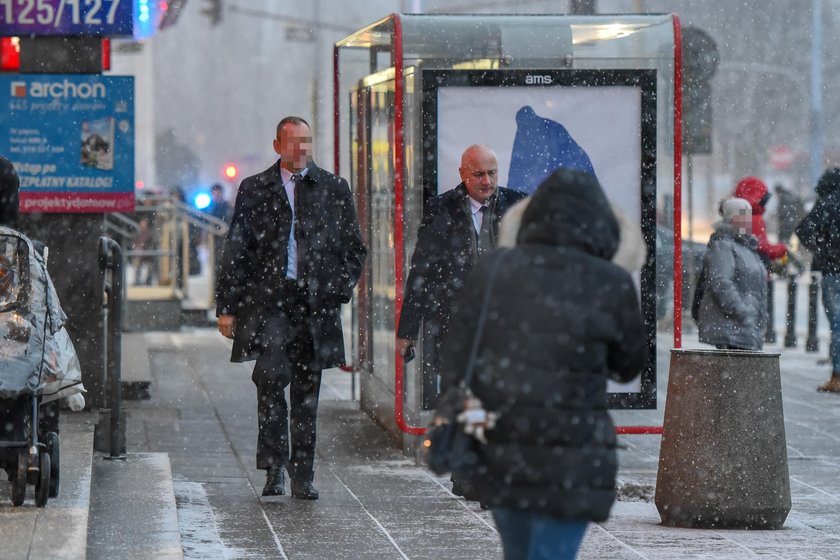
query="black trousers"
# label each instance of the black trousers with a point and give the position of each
(286, 362)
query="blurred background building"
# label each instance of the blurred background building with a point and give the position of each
(212, 85)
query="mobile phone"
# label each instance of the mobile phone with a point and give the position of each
(409, 354)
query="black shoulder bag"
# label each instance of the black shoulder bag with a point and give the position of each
(447, 446)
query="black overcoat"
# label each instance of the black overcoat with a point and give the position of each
(330, 255)
(443, 256)
(562, 319)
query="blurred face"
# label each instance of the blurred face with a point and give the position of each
(742, 222)
(479, 172)
(294, 146)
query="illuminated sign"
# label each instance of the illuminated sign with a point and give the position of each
(97, 18)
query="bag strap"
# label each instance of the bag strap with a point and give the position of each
(482, 318)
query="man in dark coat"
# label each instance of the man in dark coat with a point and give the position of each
(292, 256)
(819, 232)
(561, 320)
(220, 209)
(9, 184)
(458, 227)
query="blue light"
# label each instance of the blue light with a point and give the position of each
(145, 16)
(202, 201)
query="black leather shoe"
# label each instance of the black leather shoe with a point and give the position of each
(275, 482)
(304, 491)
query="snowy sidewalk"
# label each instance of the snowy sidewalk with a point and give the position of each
(376, 503)
(812, 529)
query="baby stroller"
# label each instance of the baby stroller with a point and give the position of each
(38, 366)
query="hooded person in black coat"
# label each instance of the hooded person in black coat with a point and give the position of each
(819, 232)
(562, 320)
(9, 185)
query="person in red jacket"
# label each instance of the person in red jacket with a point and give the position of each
(754, 191)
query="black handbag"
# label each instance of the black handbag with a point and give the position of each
(447, 447)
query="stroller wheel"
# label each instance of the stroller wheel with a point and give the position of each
(53, 449)
(42, 485)
(19, 482)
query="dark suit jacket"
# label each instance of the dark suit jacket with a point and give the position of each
(330, 255)
(443, 256)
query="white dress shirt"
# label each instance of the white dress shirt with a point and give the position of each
(289, 185)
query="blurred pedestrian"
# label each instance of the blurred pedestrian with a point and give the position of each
(145, 266)
(9, 185)
(732, 309)
(819, 232)
(562, 320)
(193, 236)
(222, 210)
(754, 191)
(293, 255)
(789, 212)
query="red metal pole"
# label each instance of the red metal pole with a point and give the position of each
(641, 430)
(638, 430)
(677, 182)
(399, 238)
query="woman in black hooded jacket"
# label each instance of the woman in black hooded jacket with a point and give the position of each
(562, 319)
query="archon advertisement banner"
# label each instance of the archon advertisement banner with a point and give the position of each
(602, 122)
(71, 140)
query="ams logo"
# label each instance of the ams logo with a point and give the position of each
(538, 80)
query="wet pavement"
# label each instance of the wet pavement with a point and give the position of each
(190, 468)
(376, 503)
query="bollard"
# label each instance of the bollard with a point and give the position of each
(111, 277)
(790, 317)
(723, 457)
(770, 332)
(813, 343)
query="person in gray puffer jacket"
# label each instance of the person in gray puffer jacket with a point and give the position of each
(733, 309)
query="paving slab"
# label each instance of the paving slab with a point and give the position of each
(133, 511)
(58, 530)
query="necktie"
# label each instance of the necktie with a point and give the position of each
(292, 258)
(296, 178)
(485, 243)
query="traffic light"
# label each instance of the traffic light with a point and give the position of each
(231, 171)
(700, 61)
(213, 10)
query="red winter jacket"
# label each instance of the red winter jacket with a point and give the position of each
(754, 191)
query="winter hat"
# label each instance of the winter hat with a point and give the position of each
(733, 207)
(754, 191)
(541, 146)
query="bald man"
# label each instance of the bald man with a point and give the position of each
(458, 227)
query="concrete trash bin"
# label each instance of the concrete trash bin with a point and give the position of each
(723, 458)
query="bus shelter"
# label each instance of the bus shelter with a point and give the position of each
(411, 92)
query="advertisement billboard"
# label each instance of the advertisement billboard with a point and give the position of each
(602, 122)
(71, 140)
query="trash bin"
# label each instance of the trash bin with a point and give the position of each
(723, 458)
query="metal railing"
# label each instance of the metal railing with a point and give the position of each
(162, 237)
